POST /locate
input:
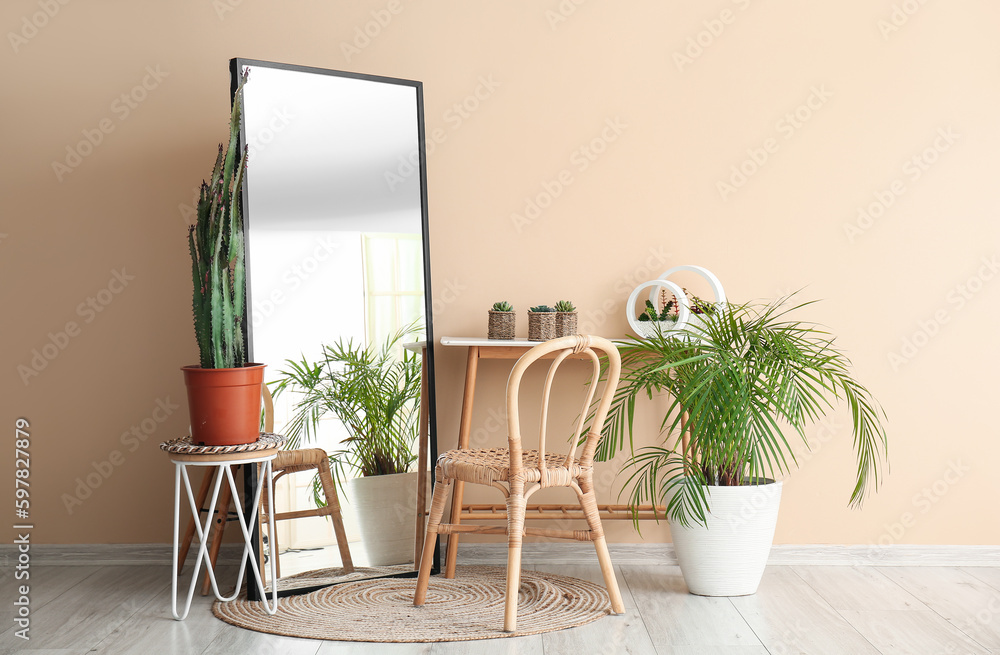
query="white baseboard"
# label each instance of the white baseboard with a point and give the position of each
(894, 555)
(781, 555)
(548, 553)
(111, 554)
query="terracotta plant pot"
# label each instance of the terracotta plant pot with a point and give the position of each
(224, 404)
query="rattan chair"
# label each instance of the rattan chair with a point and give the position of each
(295, 461)
(519, 473)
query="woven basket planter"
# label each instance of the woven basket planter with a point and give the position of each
(501, 325)
(541, 326)
(565, 324)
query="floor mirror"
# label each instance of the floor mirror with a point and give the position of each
(338, 303)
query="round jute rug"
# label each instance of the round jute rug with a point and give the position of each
(324, 577)
(468, 607)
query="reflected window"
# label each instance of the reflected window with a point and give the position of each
(394, 283)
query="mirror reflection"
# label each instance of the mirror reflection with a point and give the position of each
(337, 284)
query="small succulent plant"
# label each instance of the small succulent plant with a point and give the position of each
(699, 306)
(672, 307)
(542, 309)
(650, 313)
(502, 306)
(696, 304)
(565, 306)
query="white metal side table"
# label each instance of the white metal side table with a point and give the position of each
(184, 454)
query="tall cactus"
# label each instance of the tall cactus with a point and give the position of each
(217, 256)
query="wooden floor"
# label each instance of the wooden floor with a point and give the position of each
(798, 609)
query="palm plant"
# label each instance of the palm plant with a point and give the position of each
(372, 390)
(737, 380)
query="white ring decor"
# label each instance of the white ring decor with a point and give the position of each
(713, 281)
(648, 329)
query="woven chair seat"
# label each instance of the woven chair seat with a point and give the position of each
(489, 465)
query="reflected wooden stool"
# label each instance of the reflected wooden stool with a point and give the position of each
(309, 459)
(294, 461)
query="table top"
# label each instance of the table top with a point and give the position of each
(481, 341)
(417, 346)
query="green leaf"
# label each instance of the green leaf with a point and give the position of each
(372, 391)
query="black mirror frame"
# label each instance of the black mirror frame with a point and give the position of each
(236, 67)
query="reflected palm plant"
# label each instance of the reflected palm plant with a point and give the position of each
(736, 380)
(373, 391)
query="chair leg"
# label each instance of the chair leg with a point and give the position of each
(451, 555)
(262, 522)
(206, 483)
(608, 570)
(515, 536)
(588, 502)
(272, 547)
(221, 518)
(260, 549)
(333, 501)
(440, 497)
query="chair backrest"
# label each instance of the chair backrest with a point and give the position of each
(265, 394)
(561, 349)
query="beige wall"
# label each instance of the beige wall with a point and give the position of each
(649, 200)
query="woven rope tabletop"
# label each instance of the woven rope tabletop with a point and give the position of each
(470, 606)
(183, 446)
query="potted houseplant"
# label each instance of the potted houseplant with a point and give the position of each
(565, 318)
(374, 392)
(502, 320)
(541, 323)
(738, 379)
(224, 390)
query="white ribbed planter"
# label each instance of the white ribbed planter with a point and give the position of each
(727, 558)
(384, 507)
